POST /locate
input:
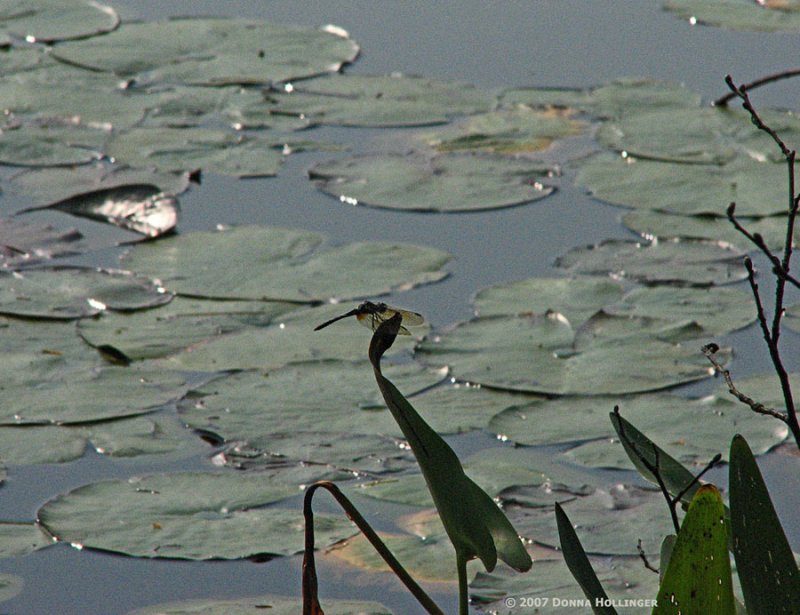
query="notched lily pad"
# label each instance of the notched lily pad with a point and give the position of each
(76, 292)
(678, 262)
(433, 183)
(260, 262)
(213, 51)
(48, 21)
(187, 515)
(378, 100)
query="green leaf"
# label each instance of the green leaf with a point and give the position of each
(767, 569)
(213, 51)
(51, 143)
(433, 183)
(21, 539)
(579, 564)
(48, 21)
(698, 577)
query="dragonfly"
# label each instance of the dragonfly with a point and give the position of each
(372, 315)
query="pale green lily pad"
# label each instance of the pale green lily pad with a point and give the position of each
(335, 396)
(513, 131)
(437, 183)
(691, 430)
(29, 445)
(76, 292)
(51, 143)
(768, 16)
(182, 323)
(575, 298)
(49, 185)
(379, 100)
(259, 262)
(26, 244)
(704, 135)
(758, 189)
(188, 149)
(290, 339)
(72, 394)
(48, 21)
(610, 522)
(620, 97)
(213, 51)
(536, 354)
(662, 225)
(275, 605)
(21, 538)
(556, 592)
(186, 516)
(680, 262)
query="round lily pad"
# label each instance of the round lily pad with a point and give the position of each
(437, 183)
(213, 51)
(48, 21)
(379, 100)
(188, 515)
(758, 189)
(51, 143)
(537, 354)
(258, 262)
(76, 292)
(681, 262)
(767, 16)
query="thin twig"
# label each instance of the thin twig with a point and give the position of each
(643, 557)
(722, 101)
(708, 351)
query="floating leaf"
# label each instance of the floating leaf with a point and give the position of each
(698, 577)
(679, 262)
(757, 188)
(536, 354)
(438, 183)
(188, 149)
(22, 243)
(213, 51)
(376, 100)
(701, 135)
(21, 538)
(142, 208)
(50, 143)
(661, 225)
(259, 262)
(276, 605)
(511, 131)
(76, 292)
(48, 21)
(28, 445)
(766, 16)
(187, 515)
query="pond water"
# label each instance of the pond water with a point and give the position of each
(564, 43)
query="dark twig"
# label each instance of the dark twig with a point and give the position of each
(722, 101)
(755, 406)
(643, 557)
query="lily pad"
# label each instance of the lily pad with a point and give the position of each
(76, 292)
(704, 135)
(213, 51)
(678, 262)
(536, 354)
(513, 131)
(437, 183)
(188, 515)
(182, 323)
(276, 605)
(10, 586)
(767, 16)
(379, 100)
(611, 100)
(29, 445)
(188, 149)
(50, 143)
(260, 262)
(21, 538)
(22, 243)
(650, 224)
(142, 208)
(48, 21)
(574, 298)
(758, 189)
